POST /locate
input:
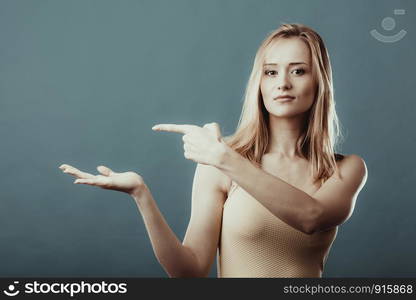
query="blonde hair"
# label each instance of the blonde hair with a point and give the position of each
(321, 131)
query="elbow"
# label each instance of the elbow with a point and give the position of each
(187, 267)
(311, 224)
(308, 229)
(181, 271)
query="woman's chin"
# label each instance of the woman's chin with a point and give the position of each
(283, 114)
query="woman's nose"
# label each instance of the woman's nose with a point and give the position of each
(283, 82)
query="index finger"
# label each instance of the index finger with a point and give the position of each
(184, 128)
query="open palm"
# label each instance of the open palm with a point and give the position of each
(127, 182)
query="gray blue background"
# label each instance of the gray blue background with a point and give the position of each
(83, 82)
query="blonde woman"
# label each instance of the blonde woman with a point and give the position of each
(270, 197)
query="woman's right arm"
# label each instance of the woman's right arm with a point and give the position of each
(193, 257)
(176, 260)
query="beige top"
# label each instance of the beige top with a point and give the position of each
(255, 243)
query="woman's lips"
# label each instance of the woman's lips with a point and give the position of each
(284, 99)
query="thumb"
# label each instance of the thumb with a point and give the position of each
(104, 170)
(214, 128)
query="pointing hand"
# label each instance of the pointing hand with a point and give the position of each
(201, 144)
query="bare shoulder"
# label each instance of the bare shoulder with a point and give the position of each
(214, 176)
(352, 165)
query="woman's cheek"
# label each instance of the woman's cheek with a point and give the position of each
(308, 91)
(268, 88)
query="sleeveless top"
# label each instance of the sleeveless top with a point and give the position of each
(255, 243)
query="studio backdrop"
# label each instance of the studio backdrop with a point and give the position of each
(83, 82)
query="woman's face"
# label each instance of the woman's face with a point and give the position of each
(287, 70)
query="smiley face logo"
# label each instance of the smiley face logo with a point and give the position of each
(11, 290)
(389, 24)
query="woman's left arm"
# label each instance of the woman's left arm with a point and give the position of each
(328, 207)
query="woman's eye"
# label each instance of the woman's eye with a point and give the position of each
(270, 72)
(299, 71)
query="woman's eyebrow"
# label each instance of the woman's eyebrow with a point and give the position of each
(292, 63)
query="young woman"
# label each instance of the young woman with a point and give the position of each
(271, 196)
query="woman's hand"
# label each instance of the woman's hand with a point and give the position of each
(201, 144)
(128, 182)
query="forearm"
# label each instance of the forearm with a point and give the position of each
(288, 203)
(176, 259)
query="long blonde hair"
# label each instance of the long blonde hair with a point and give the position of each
(321, 131)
